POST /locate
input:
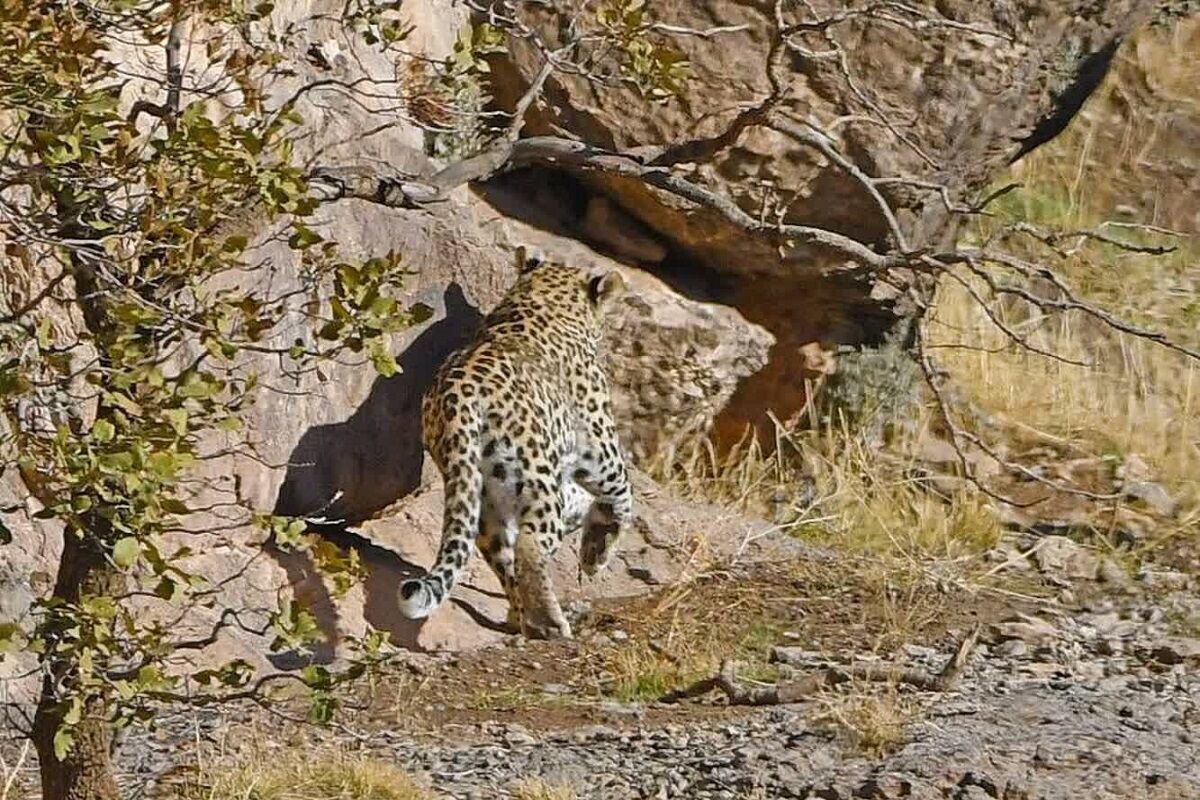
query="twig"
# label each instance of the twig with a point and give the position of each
(168, 111)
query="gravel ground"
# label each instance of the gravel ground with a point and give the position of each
(1000, 735)
(1099, 702)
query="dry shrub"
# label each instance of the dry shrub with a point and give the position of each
(871, 721)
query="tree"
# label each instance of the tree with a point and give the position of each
(135, 213)
(140, 216)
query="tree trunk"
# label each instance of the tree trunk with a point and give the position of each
(86, 772)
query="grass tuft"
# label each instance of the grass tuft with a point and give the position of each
(871, 722)
(297, 773)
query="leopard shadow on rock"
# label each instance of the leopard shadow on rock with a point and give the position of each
(373, 458)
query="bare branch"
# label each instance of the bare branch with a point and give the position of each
(333, 183)
(1053, 238)
(814, 137)
(1068, 301)
(168, 111)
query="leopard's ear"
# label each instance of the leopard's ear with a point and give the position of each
(604, 289)
(528, 259)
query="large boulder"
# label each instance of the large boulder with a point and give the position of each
(915, 96)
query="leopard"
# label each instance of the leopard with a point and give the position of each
(519, 423)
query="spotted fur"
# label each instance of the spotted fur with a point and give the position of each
(520, 425)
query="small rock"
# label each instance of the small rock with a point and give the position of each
(618, 635)
(1013, 648)
(1136, 482)
(1042, 669)
(1110, 572)
(1031, 630)
(517, 736)
(798, 656)
(643, 574)
(1059, 557)
(1175, 650)
(619, 709)
(919, 652)
(1168, 580)
(1154, 495)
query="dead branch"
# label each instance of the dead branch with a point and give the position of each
(332, 183)
(1068, 300)
(10, 774)
(1053, 238)
(821, 141)
(829, 675)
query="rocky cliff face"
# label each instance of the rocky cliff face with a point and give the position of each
(713, 330)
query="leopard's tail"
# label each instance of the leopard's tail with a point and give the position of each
(463, 479)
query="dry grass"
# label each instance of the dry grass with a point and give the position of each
(537, 789)
(297, 773)
(871, 722)
(831, 486)
(1129, 157)
(685, 638)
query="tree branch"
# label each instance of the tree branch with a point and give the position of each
(168, 111)
(332, 183)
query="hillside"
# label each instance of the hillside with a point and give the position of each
(917, 482)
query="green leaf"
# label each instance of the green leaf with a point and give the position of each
(166, 588)
(384, 362)
(103, 430)
(420, 312)
(178, 419)
(11, 637)
(173, 505)
(45, 335)
(63, 739)
(126, 551)
(235, 244)
(75, 712)
(304, 238)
